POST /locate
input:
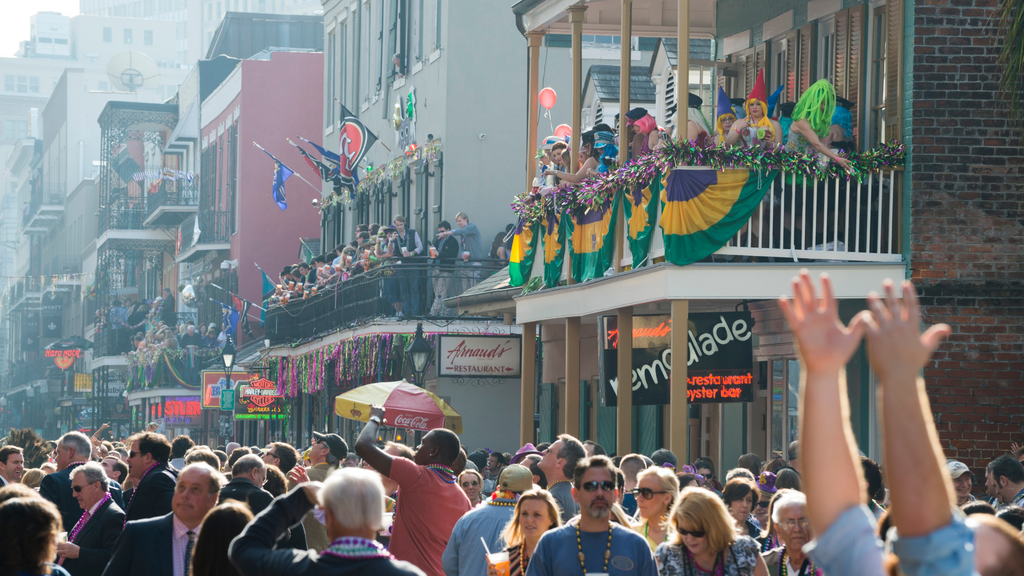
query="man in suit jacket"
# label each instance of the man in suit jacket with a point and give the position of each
(91, 540)
(163, 546)
(246, 485)
(154, 480)
(73, 450)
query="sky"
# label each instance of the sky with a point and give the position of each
(14, 25)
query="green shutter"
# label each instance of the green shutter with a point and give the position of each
(548, 408)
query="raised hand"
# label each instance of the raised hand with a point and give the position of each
(896, 347)
(824, 342)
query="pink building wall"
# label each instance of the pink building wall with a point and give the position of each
(279, 98)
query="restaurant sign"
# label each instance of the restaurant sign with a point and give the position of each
(719, 359)
(480, 356)
(63, 358)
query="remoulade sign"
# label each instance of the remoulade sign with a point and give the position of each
(483, 356)
(719, 359)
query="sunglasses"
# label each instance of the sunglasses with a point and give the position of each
(592, 486)
(694, 533)
(764, 503)
(473, 483)
(647, 493)
(78, 489)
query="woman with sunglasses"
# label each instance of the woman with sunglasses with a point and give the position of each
(535, 513)
(740, 496)
(704, 541)
(656, 490)
(472, 483)
(766, 489)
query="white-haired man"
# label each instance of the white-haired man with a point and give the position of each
(353, 504)
(90, 543)
(790, 518)
(73, 450)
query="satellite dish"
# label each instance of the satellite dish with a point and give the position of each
(133, 70)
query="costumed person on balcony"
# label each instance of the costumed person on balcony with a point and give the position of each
(697, 129)
(841, 132)
(757, 129)
(786, 117)
(604, 142)
(737, 108)
(724, 118)
(772, 101)
(589, 153)
(642, 131)
(812, 120)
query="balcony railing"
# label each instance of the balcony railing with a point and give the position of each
(63, 265)
(44, 195)
(122, 217)
(371, 294)
(214, 228)
(173, 193)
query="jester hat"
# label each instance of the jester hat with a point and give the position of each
(758, 93)
(724, 109)
(773, 100)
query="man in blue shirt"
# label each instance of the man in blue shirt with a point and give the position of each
(592, 544)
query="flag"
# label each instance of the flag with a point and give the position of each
(243, 311)
(229, 319)
(353, 142)
(554, 246)
(281, 173)
(327, 154)
(524, 249)
(307, 252)
(592, 235)
(268, 290)
(327, 173)
(703, 209)
(640, 211)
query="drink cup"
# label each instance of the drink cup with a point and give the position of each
(465, 256)
(433, 252)
(499, 561)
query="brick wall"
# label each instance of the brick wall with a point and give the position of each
(967, 229)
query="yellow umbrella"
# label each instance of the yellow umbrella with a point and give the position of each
(406, 406)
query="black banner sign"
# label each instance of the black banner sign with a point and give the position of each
(53, 316)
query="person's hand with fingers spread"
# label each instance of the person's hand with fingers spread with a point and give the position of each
(825, 343)
(298, 475)
(897, 349)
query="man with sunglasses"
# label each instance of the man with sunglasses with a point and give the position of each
(73, 450)
(794, 530)
(91, 541)
(558, 463)
(326, 453)
(592, 544)
(148, 457)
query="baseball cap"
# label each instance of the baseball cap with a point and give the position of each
(516, 478)
(957, 468)
(336, 444)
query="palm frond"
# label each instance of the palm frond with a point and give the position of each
(1011, 56)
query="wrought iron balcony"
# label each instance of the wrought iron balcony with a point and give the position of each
(213, 232)
(45, 208)
(174, 201)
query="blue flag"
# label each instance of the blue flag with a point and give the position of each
(327, 154)
(281, 173)
(230, 318)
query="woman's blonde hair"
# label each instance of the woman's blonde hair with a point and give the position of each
(478, 475)
(702, 511)
(666, 479)
(33, 477)
(512, 535)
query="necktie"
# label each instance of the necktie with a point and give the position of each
(188, 552)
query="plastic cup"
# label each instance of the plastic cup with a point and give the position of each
(433, 252)
(465, 256)
(499, 561)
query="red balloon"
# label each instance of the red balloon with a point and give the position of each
(548, 98)
(563, 130)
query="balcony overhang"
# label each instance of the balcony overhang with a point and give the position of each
(46, 218)
(604, 17)
(135, 240)
(199, 250)
(169, 216)
(26, 298)
(666, 282)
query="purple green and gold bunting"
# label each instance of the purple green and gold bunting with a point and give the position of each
(640, 209)
(524, 249)
(703, 208)
(592, 244)
(554, 247)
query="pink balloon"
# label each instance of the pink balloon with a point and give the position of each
(548, 98)
(563, 130)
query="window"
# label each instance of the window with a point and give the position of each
(8, 129)
(127, 35)
(331, 48)
(379, 51)
(23, 84)
(8, 83)
(148, 37)
(437, 24)
(879, 31)
(416, 32)
(21, 128)
(365, 51)
(827, 50)
(33, 84)
(108, 34)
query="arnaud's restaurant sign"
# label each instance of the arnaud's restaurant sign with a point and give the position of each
(719, 358)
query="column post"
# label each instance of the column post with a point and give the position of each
(535, 39)
(572, 376)
(529, 386)
(677, 408)
(683, 78)
(624, 410)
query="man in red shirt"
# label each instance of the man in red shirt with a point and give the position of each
(429, 501)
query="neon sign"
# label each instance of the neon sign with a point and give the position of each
(63, 358)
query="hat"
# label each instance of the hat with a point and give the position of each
(337, 445)
(758, 92)
(636, 113)
(525, 451)
(696, 101)
(602, 139)
(602, 127)
(587, 138)
(663, 456)
(256, 450)
(786, 109)
(515, 478)
(687, 469)
(766, 483)
(840, 101)
(724, 104)
(772, 100)
(957, 468)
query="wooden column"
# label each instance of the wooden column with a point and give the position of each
(535, 39)
(624, 411)
(572, 377)
(677, 408)
(576, 22)
(683, 79)
(625, 67)
(529, 387)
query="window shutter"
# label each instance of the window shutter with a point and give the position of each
(746, 60)
(792, 82)
(855, 60)
(893, 69)
(760, 63)
(807, 52)
(842, 61)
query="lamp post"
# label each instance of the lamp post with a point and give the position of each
(228, 355)
(419, 353)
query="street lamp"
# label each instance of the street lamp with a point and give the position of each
(228, 355)
(419, 352)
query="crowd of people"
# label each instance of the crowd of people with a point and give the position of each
(152, 506)
(130, 325)
(385, 249)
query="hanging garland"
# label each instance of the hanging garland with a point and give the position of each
(594, 193)
(389, 171)
(148, 368)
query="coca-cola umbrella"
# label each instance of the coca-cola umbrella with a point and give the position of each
(406, 405)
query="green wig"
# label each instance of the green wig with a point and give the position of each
(810, 107)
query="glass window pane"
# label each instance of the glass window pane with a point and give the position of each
(778, 389)
(793, 409)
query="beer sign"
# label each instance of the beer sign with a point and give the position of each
(258, 400)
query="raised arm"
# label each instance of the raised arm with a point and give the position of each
(366, 444)
(803, 127)
(831, 471)
(921, 492)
